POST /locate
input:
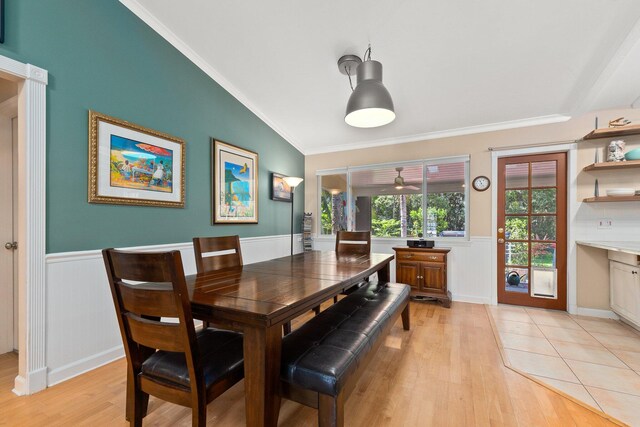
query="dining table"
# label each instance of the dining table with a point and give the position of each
(257, 299)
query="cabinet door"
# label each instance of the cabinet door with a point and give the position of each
(434, 277)
(408, 272)
(625, 290)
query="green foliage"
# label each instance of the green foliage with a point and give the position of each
(325, 212)
(385, 227)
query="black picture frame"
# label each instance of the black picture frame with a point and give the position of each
(1, 21)
(280, 191)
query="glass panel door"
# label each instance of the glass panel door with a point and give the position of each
(532, 230)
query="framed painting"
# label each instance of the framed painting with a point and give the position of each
(280, 190)
(234, 184)
(132, 165)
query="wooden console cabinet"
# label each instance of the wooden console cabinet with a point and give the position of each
(425, 270)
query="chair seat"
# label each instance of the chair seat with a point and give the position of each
(322, 353)
(220, 352)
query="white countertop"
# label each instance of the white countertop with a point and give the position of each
(628, 247)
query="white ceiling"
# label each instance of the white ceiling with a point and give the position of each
(452, 67)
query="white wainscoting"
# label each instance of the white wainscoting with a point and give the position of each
(81, 326)
(469, 264)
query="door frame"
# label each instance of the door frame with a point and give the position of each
(572, 208)
(32, 84)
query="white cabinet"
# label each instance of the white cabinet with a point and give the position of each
(625, 290)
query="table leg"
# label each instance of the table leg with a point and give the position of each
(384, 274)
(262, 347)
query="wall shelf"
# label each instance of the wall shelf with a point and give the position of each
(613, 132)
(629, 164)
(612, 199)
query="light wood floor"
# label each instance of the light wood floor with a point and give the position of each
(446, 371)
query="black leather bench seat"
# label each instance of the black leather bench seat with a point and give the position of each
(321, 354)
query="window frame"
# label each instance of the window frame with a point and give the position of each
(424, 163)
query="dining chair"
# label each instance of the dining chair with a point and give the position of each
(210, 245)
(167, 358)
(216, 261)
(352, 243)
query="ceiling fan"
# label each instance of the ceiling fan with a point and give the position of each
(399, 182)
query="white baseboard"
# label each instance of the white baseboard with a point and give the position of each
(36, 381)
(84, 365)
(596, 312)
(471, 299)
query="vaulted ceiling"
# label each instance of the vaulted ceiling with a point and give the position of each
(452, 67)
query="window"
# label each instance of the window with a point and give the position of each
(398, 200)
(333, 203)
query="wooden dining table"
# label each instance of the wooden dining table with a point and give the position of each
(259, 298)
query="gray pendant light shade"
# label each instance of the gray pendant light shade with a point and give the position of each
(370, 104)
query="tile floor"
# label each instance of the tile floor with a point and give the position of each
(594, 360)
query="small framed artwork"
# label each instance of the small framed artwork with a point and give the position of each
(280, 190)
(132, 165)
(234, 176)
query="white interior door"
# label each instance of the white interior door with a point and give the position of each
(8, 258)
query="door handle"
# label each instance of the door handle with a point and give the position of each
(11, 246)
(501, 240)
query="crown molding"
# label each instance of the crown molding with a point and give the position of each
(148, 18)
(469, 130)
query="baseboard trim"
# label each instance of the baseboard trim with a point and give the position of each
(596, 312)
(81, 366)
(471, 299)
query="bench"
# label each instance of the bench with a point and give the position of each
(323, 359)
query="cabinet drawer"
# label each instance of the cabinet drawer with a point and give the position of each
(421, 256)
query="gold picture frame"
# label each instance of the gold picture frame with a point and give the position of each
(133, 165)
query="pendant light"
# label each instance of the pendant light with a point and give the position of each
(370, 104)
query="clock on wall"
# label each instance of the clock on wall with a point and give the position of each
(481, 183)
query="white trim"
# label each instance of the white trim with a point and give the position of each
(82, 366)
(147, 17)
(31, 237)
(97, 253)
(470, 299)
(469, 130)
(595, 312)
(572, 209)
(334, 171)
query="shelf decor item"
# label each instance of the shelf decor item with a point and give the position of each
(616, 151)
(234, 176)
(133, 165)
(633, 154)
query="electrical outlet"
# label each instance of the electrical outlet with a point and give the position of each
(605, 223)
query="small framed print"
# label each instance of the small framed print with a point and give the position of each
(234, 173)
(133, 165)
(280, 190)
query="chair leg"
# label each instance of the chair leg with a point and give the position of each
(330, 410)
(139, 408)
(286, 328)
(199, 415)
(406, 318)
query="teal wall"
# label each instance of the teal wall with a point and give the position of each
(102, 57)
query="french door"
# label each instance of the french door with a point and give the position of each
(532, 230)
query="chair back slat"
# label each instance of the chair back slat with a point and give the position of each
(147, 301)
(148, 268)
(353, 242)
(202, 246)
(155, 334)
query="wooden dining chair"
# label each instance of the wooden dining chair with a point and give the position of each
(352, 243)
(167, 359)
(207, 245)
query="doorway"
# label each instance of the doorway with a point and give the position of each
(8, 215)
(532, 230)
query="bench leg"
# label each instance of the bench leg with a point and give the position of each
(316, 310)
(286, 328)
(406, 318)
(330, 410)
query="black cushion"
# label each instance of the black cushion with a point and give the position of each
(220, 351)
(322, 353)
